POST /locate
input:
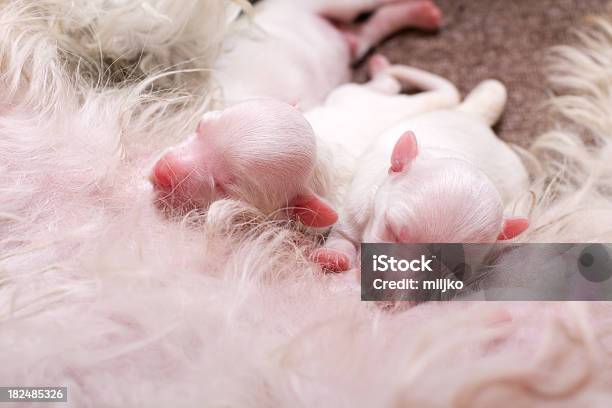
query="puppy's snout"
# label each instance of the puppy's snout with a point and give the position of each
(160, 177)
(168, 173)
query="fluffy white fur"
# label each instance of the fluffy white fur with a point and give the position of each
(121, 40)
(100, 293)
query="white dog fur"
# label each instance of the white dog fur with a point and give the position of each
(100, 293)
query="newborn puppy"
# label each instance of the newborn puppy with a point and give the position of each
(261, 152)
(439, 177)
(304, 49)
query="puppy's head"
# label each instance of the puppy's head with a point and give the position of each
(260, 151)
(437, 200)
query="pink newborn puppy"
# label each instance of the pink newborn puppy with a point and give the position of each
(261, 152)
(445, 180)
(304, 49)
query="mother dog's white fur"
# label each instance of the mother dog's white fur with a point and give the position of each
(100, 293)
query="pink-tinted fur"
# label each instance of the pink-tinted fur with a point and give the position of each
(100, 293)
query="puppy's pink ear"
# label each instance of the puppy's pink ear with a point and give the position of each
(312, 211)
(513, 227)
(404, 152)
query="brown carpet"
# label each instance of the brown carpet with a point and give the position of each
(503, 39)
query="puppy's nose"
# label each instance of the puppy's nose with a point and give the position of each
(160, 177)
(168, 173)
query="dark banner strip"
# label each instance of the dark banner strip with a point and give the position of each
(500, 271)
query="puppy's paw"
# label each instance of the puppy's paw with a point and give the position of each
(331, 260)
(424, 15)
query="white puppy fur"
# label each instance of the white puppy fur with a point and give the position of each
(353, 116)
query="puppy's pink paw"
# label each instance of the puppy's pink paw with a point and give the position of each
(426, 15)
(331, 260)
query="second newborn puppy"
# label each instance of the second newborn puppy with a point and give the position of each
(300, 50)
(439, 177)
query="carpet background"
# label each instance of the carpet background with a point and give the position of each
(501, 39)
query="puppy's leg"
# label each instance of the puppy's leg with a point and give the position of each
(381, 81)
(338, 255)
(346, 11)
(389, 19)
(419, 80)
(486, 102)
(436, 92)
